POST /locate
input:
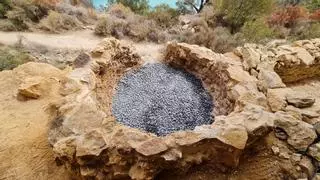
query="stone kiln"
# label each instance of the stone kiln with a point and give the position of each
(88, 140)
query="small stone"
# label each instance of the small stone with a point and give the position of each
(82, 60)
(296, 158)
(275, 150)
(31, 88)
(307, 166)
(284, 155)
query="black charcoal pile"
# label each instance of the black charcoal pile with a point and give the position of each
(160, 99)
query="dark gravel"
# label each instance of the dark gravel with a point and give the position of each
(160, 99)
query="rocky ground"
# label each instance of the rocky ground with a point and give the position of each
(267, 117)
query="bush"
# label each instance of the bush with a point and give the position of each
(11, 58)
(120, 11)
(313, 5)
(164, 15)
(82, 14)
(56, 22)
(4, 7)
(208, 15)
(287, 16)
(256, 31)
(7, 25)
(109, 25)
(18, 18)
(140, 29)
(236, 12)
(137, 6)
(25, 12)
(223, 40)
(219, 39)
(306, 30)
(315, 15)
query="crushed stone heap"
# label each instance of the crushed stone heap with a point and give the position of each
(266, 115)
(159, 99)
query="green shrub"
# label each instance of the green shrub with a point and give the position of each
(19, 18)
(256, 31)
(11, 58)
(56, 22)
(4, 7)
(236, 12)
(31, 11)
(313, 4)
(164, 15)
(24, 13)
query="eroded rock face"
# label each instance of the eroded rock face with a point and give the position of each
(249, 109)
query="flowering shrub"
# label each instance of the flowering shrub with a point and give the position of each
(287, 16)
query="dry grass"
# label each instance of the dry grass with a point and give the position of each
(56, 22)
(121, 22)
(7, 25)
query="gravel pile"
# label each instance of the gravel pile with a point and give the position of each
(160, 99)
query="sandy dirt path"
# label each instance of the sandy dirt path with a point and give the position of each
(78, 40)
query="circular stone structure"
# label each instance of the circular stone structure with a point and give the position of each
(160, 99)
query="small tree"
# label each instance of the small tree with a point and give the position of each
(164, 15)
(256, 31)
(137, 6)
(186, 6)
(236, 12)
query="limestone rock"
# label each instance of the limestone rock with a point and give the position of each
(307, 166)
(151, 147)
(300, 100)
(277, 98)
(92, 143)
(247, 92)
(304, 56)
(81, 60)
(270, 80)
(31, 88)
(314, 151)
(253, 118)
(233, 135)
(317, 127)
(300, 134)
(237, 74)
(251, 58)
